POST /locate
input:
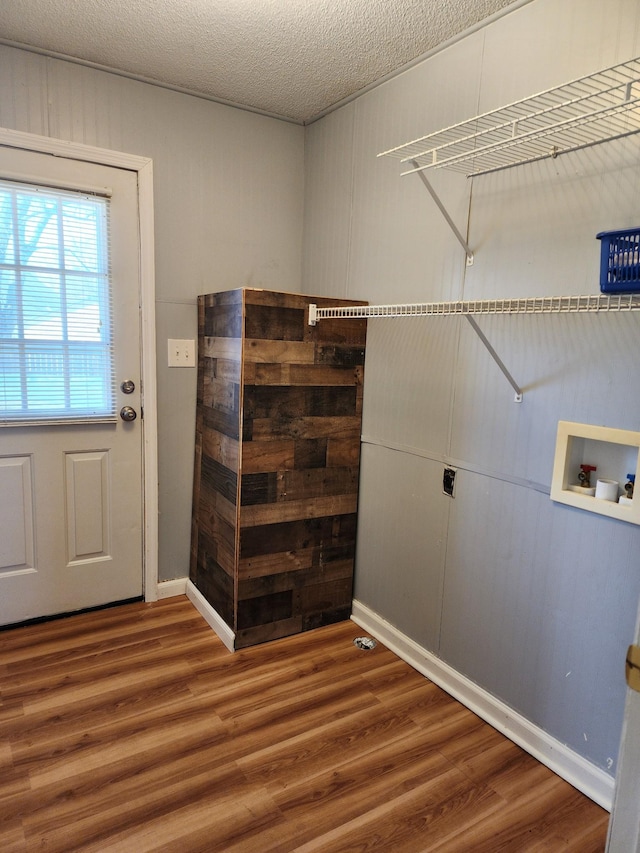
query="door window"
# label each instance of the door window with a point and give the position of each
(56, 360)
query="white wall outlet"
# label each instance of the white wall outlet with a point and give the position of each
(181, 353)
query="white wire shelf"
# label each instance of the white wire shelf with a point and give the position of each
(533, 305)
(587, 111)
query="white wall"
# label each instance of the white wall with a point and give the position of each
(228, 189)
(533, 601)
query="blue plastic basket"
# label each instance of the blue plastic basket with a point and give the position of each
(620, 261)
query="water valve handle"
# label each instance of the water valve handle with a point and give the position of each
(629, 486)
(585, 475)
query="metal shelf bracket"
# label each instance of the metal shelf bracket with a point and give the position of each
(444, 212)
(494, 355)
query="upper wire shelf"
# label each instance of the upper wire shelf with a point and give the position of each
(587, 111)
(531, 305)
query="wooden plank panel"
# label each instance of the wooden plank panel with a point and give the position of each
(215, 584)
(226, 348)
(308, 427)
(258, 488)
(321, 374)
(318, 482)
(253, 296)
(224, 297)
(302, 374)
(344, 331)
(294, 535)
(302, 569)
(268, 565)
(271, 584)
(195, 505)
(269, 631)
(214, 523)
(219, 479)
(268, 374)
(294, 352)
(220, 394)
(253, 516)
(263, 609)
(213, 503)
(225, 560)
(341, 452)
(221, 448)
(311, 453)
(275, 455)
(274, 322)
(220, 528)
(344, 356)
(327, 533)
(227, 370)
(225, 422)
(338, 555)
(278, 402)
(222, 321)
(322, 597)
(299, 401)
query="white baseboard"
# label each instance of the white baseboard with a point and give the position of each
(167, 589)
(582, 774)
(211, 616)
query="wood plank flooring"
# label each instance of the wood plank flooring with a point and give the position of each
(134, 730)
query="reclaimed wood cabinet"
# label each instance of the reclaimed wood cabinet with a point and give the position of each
(277, 460)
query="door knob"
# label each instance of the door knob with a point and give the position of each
(128, 414)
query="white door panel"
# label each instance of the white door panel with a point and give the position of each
(16, 515)
(87, 507)
(71, 495)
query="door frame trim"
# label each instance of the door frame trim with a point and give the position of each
(143, 166)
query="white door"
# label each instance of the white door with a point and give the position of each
(70, 491)
(624, 826)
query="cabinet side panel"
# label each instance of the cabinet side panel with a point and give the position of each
(301, 429)
(214, 515)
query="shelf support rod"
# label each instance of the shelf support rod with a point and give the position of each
(494, 355)
(443, 211)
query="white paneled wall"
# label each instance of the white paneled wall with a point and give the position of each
(382, 536)
(532, 601)
(327, 209)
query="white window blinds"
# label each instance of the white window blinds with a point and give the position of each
(56, 361)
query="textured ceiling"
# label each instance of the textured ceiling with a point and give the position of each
(290, 58)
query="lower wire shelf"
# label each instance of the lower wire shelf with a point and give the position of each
(531, 305)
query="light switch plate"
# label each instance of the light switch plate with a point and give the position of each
(181, 353)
